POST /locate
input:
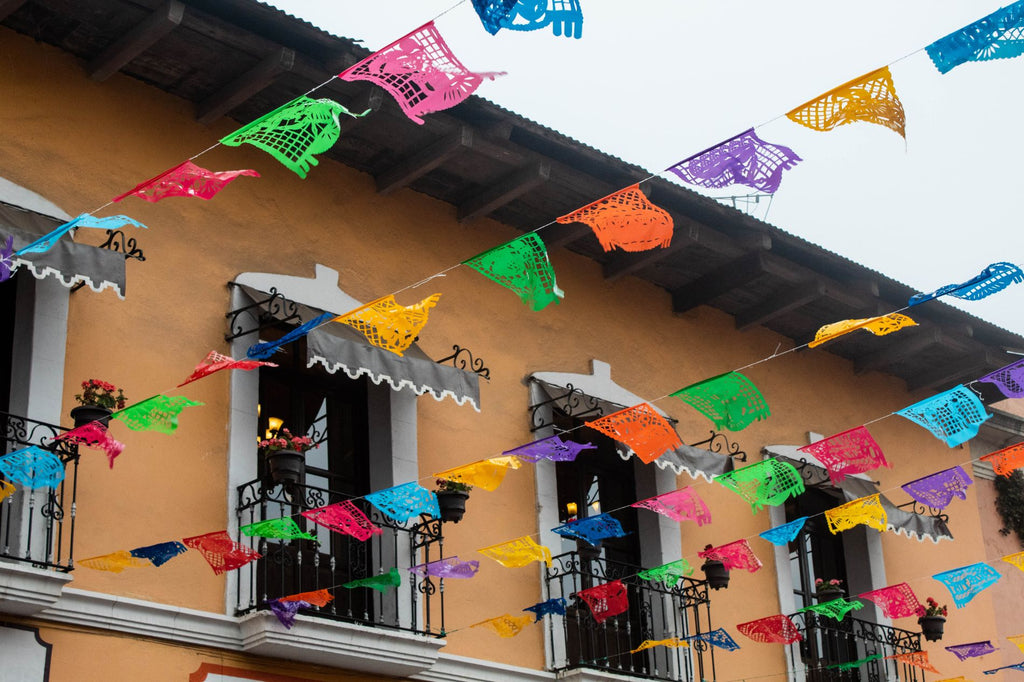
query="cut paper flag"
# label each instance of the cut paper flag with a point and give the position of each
(671, 642)
(736, 554)
(286, 610)
(853, 665)
(954, 679)
(966, 583)
(221, 552)
(506, 625)
(519, 552)
(6, 259)
(420, 72)
(769, 482)
(784, 534)
(605, 600)
(215, 362)
(521, 265)
(46, 242)
(114, 562)
(1006, 461)
(159, 413)
(778, 629)
(185, 180)
(864, 510)
(493, 13)
(6, 490)
(972, 650)
(551, 448)
(640, 428)
(895, 601)
(938, 490)
(388, 325)
(991, 280)
(94, 435)
(679, 505)
(293, 133)
(835, 609)
(1017, 640)
(1015, 560)
(452, 567)
(1015, 666)
(731, 401)
(404, 502)
(551, 607)
(381, 582)
(625, 220)
(918, 659)
(851, 452)
(314, 598)
(262, 351)
(879, 326)
(346, 518)
(487, 473)
(282, 529)
(743, 160)
(32, 467)
(592, 529)
(668, 574)
(999, 35)
(719, 638)
(1009, 379)
(160, 553)
(870, 98)
(564, 16)
(953, 416)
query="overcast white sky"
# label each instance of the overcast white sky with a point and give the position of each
(656, 81)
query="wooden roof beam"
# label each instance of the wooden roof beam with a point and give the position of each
(245, 86)
(407, 171)
(787, 300)
(9, 7)
(507, 189)
(159, 23)
(723, 279)
(906, 344)
(965, 369)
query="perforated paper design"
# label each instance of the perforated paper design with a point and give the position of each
(895, 601)
(999, 35)
(185, 180)
(736, 554)
(605, 601)
(388, 325)
(46, 242)
(879, 326)
(850, 452)
(668, 574)
(94, 435)
(744, 160)
(452, 567)
(954, 679)
(6, 490)
(625, 220)
(487, 474)
(221, 552)
(563, 16)
(864, 510)
(870, 98)
(114, 562)
(283, 529)
(506, 625)
(835, 609)
(493, 13)
(642, 429)
(159, 413)
(1009, 379)
(32, 467)
(991, 280)
(406, 501)
(671, 642)
(286, 610)
(381, 582)
(953, 416)
(160, 553)
(1015, 666)
(262, 351)
(719, 638)
(731, 401)
(972, 650)
(966, 583)
(314, 598)
(551, 607)
(766, 483)
(346, 518)
(784, 534)
(938, 490)
(1015, 560)
(1017, 640)
(420, 72)
(592, 529)
(679, 505)
(518, 552)
(1006, 461)
(918, 659)
(6, 262)
(853, 665)
(295, 132)
(521, 265)
(776, 629)
(551, 448)
(215, 362)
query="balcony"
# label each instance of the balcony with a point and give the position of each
(656, 612)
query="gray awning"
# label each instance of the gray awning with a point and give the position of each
(68, 261)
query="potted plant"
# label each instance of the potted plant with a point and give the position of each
(933, 620)
(451, 499)
(97, 402)
(827, 590)
(285, 456)
(715, 572)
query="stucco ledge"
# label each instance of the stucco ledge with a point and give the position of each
(26, 590)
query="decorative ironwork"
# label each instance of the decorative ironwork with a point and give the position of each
(720, 443)
(266, 312)
(129, 246)
(916, 507)
(573, 403)
(463, 358)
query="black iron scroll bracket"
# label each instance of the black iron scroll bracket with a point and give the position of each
(463, 358)
(263, 313)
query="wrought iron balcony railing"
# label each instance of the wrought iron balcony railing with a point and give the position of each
(655, 612)
(333, 559)
(828, 642)
(38, 526)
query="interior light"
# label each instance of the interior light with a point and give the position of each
(571, 508)
(273, 426)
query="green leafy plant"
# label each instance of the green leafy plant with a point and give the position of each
(445, 485)
(1010, 504)
(98, 393)
(830, 585)
(933, 608)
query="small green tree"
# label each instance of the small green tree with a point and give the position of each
(1010, 504)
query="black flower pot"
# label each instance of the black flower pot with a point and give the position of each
(285, 466)
(86, 414)
(931, 627)
(452, 504)
(716, 574)
(829, 595)
(588, 551)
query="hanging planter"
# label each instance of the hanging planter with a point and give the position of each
(97, 401)
(284, 457)
(451, 499)
(827, 590)
(716, 574)
(932, 627)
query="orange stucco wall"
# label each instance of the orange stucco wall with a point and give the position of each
(78, 143)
